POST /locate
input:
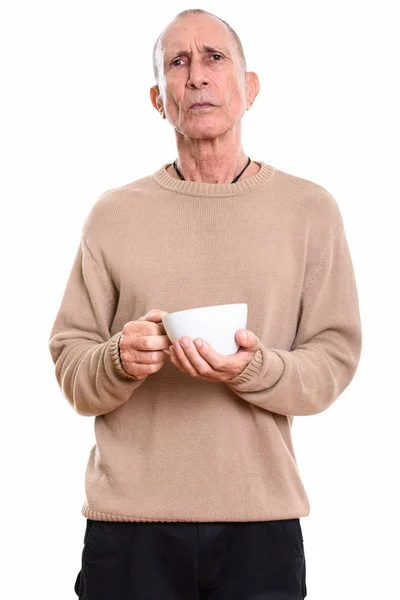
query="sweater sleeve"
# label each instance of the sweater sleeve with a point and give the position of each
(326, 350)
(87, 361)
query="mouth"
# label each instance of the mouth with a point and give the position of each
(199, 106)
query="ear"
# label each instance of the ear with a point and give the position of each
(156, 100)
(252, 87)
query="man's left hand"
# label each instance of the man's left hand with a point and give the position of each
(203, 362)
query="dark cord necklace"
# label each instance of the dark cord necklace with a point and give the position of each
(234, 181)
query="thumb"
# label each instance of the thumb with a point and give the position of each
(247, 339)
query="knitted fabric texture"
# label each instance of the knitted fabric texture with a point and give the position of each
(172, 447)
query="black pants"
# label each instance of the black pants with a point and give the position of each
(255, 560)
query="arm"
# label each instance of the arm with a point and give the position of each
(86, 358)
(326, 350)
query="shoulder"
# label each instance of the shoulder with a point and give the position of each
(114, 206)
(314, 206)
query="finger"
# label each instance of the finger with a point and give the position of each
(155, 315)
(183, 359)
(149, 343)
(216, 361)
(222, 363)
(175, 360)
(191, 357)
(141, 357)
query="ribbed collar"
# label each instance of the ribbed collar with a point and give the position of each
(261, 179)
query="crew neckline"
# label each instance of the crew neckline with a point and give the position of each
(261, 179)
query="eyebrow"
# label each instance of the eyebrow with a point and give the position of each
(204, 47)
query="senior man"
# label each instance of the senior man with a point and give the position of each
(192, 487)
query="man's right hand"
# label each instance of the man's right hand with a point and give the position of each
(141, 344)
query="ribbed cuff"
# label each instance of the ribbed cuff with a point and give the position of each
(263, 371)
(116, 357)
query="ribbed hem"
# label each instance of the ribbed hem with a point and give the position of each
(96, 515)
(116, 358)
(262, 372)
(263, 178)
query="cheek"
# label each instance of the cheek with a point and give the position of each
(231, 95)
(236, 102)
(172, 104)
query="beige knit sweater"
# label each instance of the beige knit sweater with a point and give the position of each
(171, 447)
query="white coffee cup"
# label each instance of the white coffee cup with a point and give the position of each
(215, 324)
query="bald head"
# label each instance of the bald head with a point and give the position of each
(158, 48)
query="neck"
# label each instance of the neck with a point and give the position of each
(210, 161)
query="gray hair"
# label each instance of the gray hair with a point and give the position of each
(190, 11)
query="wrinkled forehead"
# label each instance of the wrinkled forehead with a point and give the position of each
(206, 35)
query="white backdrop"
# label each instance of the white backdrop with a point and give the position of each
(76, 119)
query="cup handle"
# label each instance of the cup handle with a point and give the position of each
(166, 351)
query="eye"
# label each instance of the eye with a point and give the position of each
(179, 59)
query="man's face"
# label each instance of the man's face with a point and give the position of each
(200, 62)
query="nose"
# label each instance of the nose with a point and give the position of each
(197, 74)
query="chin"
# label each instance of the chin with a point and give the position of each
(204, 131)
